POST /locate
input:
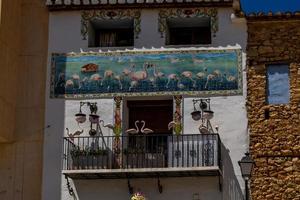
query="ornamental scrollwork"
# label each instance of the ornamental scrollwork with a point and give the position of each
(88, 15)
(165, 14)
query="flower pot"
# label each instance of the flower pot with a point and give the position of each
(208, 114)
(203, 130)
(80, 118)
(196, 115)
(94, 119)
(90, 162)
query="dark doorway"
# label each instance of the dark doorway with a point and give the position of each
(150, 150)
(157, 114)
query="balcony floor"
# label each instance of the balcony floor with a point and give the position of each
(142, 173)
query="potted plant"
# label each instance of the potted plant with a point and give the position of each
(89, 158)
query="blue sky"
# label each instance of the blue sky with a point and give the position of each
(249, 6)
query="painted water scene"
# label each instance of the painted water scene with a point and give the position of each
(145, 73)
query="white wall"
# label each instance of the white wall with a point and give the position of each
(173, 188)
(230, 116)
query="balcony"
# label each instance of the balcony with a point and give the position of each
(142, 156)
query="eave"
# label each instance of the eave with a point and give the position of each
(136, 4)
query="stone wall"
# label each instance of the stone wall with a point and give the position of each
(274, 140)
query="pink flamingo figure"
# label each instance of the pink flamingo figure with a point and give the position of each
(145, 130)
(132, 130)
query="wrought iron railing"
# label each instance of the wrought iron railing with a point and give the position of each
(141, 151)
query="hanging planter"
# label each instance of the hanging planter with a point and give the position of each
(203, 130)
(208, 114)
(196, 115)
(94, 119)
(80, 118)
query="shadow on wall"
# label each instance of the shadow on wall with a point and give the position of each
(231, 186)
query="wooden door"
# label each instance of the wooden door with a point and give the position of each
(157, 114)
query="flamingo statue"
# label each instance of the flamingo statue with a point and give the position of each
(145, 130)
(132, 130)
(72, 135)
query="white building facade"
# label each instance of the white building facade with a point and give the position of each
(104, 39)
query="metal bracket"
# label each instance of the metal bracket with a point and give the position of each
(130, 188)
(159, 186)
(220, 182)
(70, 189)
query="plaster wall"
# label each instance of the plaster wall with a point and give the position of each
(173, 188)
(230, 116)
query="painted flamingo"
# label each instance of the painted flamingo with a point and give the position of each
(76, 80)
(133, 131)
(156, 73)
(145, 130)
(84, 82)
(69, 83)
(200, 75)
(133, 84)
(231, 78)
(118, 78)
(126, 72)
(209, 78)
(189, 75)
(75, 77)
(198, 61)
(139, 75)
(108, 74)
(95, 77)
(171, 77)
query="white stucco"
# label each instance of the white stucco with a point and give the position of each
(230, 116)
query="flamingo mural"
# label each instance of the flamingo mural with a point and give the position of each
(189, 72)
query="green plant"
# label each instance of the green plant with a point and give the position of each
(77, 151)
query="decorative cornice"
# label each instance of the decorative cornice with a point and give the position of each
(165, 14)
(112, 4)
(89, 15)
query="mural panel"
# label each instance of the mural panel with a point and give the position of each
(147, 73)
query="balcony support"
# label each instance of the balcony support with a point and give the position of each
(130, 188)
(70, 189)
(159, 186)
(221, 182)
